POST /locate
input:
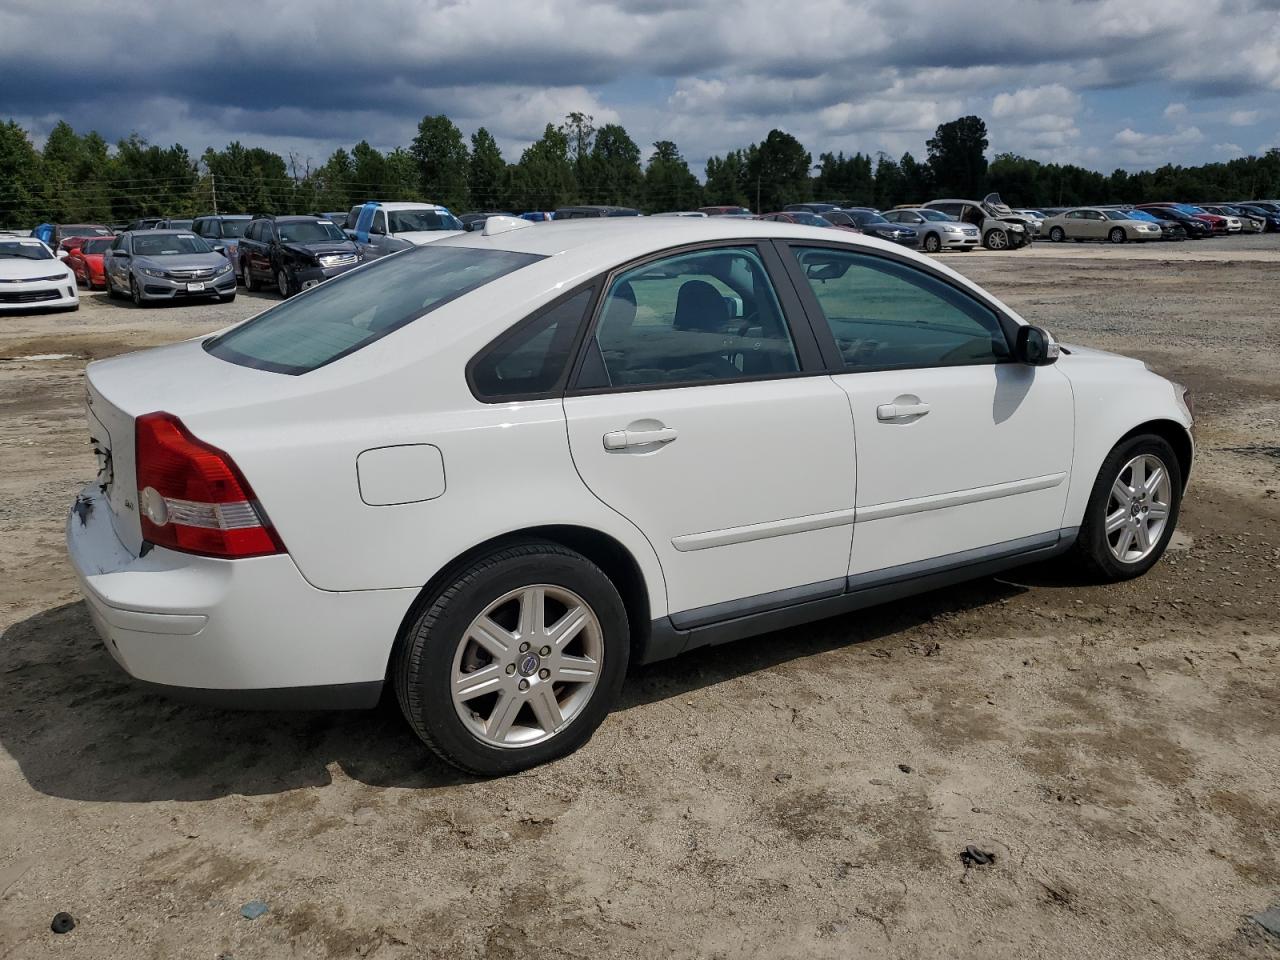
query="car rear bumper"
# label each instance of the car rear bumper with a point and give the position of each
(249, 633)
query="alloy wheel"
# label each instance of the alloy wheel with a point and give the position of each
(997, 240)
(1117, 235)
(282, 283)
(1138, 508)
(527, 666)
(932, 244)
(1057, 235)
(135, 291)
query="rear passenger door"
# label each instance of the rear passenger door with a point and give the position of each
(701, 411)
(963, 453)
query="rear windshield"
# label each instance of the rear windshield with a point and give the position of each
(414, 221)
(229, 229)
(345, 314)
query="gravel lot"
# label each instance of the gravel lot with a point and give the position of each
(805, 794)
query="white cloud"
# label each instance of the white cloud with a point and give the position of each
(879, 74)
(1228, 149)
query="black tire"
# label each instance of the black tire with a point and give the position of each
(284, 284)
(135, 293)
(1057, 234)
(423, 665)
(932, 243)
(1092, 550)
(1117, 235)
(250, 284)
(112, 292)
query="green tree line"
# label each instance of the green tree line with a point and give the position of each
(80, 177)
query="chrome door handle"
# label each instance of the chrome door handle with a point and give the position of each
(622, 439)
(900, 411)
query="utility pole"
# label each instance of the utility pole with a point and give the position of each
(213, 185)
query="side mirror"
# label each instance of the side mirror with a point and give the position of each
(219, 248)
(1035, 347)
(63, 254)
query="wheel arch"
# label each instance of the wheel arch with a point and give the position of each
(1173, 433)
(602, 549)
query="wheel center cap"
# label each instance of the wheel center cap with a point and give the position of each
(529, 665)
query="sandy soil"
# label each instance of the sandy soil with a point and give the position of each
(805, 794)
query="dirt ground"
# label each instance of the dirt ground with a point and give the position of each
(804, 794)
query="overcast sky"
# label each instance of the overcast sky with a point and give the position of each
(1103, 83)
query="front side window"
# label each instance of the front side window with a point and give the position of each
(708, 315)
(348, 313)
(885, 315)
(533, 358)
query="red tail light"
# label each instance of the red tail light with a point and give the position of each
(193, 498)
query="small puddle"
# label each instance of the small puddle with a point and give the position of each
(42, 357)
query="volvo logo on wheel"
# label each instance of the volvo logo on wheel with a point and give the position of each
(529, 665)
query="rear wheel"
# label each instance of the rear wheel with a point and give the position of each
(996, 240)
(932, 243)
(516, 662)
(1116, 235)
(1057, 234)
(1132, 510)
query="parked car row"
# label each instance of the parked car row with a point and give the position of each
(161, 258)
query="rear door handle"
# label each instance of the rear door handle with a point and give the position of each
(900, 411)
(622, 439)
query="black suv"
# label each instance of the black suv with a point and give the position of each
(294, 253)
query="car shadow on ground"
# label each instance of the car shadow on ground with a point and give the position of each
(80, 729)
(105, 299)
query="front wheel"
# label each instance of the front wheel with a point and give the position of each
(1057, 234)
(932, 243)
(997, 240)
(516, 662)
(250, 283)
(135, 292)
(283, 286)
(1116, 235)
(1132, 510)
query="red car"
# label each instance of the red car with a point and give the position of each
(85, 261)
(1216, 223)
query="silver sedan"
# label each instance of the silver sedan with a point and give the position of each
(150, 265)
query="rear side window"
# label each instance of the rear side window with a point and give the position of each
(348, 313)
(533, 358)
(888, 316)
(705, 316)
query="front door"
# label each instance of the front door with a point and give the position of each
(703, 417)
(962, 452)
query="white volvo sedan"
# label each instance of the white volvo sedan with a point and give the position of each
(493, 471)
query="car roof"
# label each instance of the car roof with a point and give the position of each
(406, 205)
